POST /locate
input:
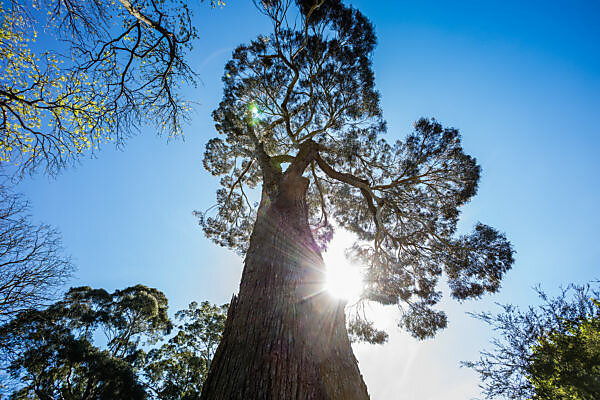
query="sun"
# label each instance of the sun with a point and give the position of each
(343, 279)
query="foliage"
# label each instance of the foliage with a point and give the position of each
(116, 64)
(54, 352)
(547, 352)
(177, 370)
(51, 351)
(566, 365)
(305, 96)
(32, 265)
(363, 330)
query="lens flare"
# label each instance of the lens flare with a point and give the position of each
(256, 114)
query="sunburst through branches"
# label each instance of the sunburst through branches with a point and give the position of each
(343, 279)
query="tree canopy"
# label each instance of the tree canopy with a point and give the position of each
(547, 352)
(116, 66)
(99, 345)
(177, 369)
(51, 350)
(304, 97)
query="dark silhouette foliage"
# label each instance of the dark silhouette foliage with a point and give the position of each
(177, 369)
(97, 345)
(51, 351)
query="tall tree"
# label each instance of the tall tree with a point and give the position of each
(547, 352)
(116, 66)
(32, 263)
(303, 97)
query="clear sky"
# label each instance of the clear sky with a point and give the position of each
(521, 80)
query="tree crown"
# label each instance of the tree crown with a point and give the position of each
(305, 96)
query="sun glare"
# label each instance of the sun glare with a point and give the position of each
(342, 279)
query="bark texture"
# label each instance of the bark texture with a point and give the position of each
(285, 338)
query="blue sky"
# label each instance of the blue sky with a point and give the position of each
(521, 80)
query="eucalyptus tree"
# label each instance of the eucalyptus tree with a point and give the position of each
(177, 369)
(99, 345)
(300, 121)
(51, 352)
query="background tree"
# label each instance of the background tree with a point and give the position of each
(177, 369)
(566, 365)
(32, 263)
(117, 66)
(99, 345)
(304, 97)
(51, 351)
(547, 352)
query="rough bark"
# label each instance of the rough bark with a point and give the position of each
(285, 338)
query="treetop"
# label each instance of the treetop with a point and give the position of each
(304, 96)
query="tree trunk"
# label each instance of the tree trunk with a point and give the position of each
(285, 338)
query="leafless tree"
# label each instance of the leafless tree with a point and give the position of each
(32, 262)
